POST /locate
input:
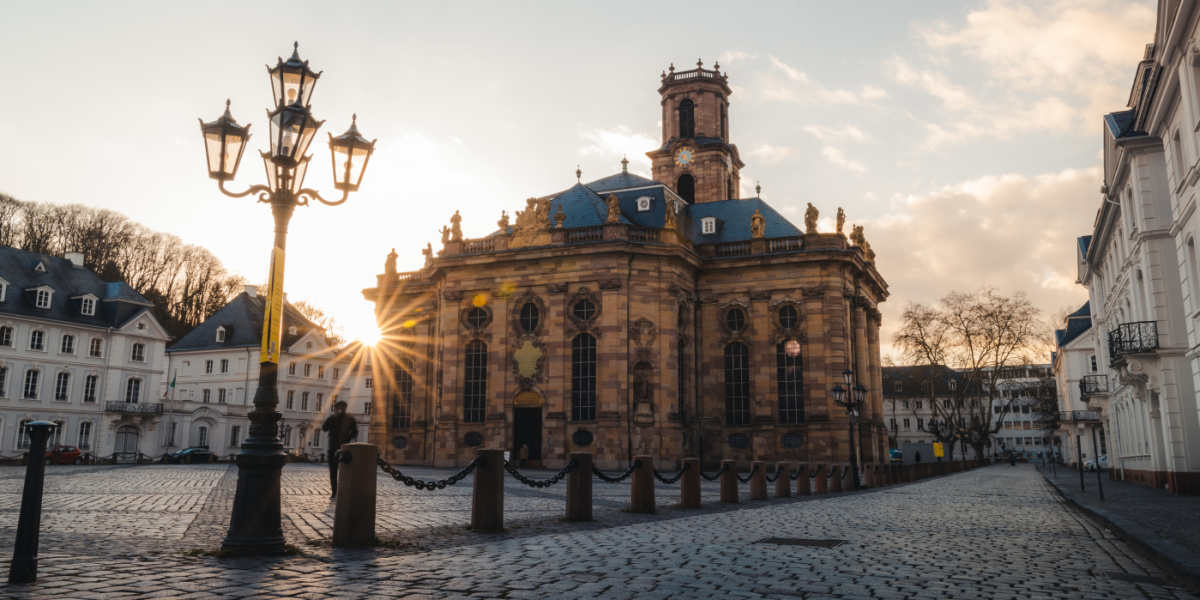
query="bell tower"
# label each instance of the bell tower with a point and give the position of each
(696, 159)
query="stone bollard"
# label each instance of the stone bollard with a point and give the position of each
(487, 495)
(729, 482)
(803, 484)
(579, 488)
(835, 478)
(354, 513)
(689, 490)
(783, 480)
(872, 471)
(758, 481)
(641, 489)
(24, 565)
(821, 480)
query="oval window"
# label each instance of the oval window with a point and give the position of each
(477, 317)
(788, 317)
(473, 439)
(584, 310)
(400, 442)
(530, 317)
(735, 319)
(582, 438)
(738, 441)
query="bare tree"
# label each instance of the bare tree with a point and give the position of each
(334, 333)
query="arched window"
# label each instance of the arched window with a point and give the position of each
(730, 192)
(737, 384)
(685, 186)
(402, 398)
(138, 352)
(687, 119)
(62, 386)
(790, 378)
(3, 382)
(475, 382)
(583, 378)
(202, 436)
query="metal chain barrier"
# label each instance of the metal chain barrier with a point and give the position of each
(747, 479)
(544, 483)
(772, 478)
(618, 478)
(715, 476)
(670, 480)
(428, 485)
(796, 475)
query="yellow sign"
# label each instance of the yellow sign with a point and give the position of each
(272, 335)
(937, 450)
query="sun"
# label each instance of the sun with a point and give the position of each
(368, 334)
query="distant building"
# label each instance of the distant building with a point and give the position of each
(1077, 375)
(77, 351)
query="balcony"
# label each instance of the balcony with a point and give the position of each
(1132, 338)
(1078, 416)
(135, 408)
(1093, 384)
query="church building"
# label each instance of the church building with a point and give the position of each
(629, 316)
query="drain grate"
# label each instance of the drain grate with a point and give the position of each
(802, 542)
(1130, 577)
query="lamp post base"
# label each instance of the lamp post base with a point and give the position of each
(255, 525)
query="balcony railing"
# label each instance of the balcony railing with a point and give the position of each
(733, 249)
(140, 408)
(479, 246)
(1078, 416)
(637, 234)
(591, 234)
(1132, 338)
(1093, 384)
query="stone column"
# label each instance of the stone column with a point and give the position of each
(354, 513)
(783, 480)
(487, 502)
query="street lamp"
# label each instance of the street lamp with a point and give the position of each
(852, 400)
(254, 527)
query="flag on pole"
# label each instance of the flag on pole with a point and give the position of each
(171, 387)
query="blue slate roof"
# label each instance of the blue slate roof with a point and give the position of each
(733, 218)
(1078, 323)
(620, 181)
(117, 303)
(582, 207)
(242, 319)
(1084, 243)
(1120, 124)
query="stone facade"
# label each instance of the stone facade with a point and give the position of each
(693, 327)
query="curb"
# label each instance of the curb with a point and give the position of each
(1182, 564)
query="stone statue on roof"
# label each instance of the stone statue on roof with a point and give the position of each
(445, 235)
(758, 224)
(543, 214)
(559, 216)
(456, 227)
(389, 265)
(669, 217)
(856, 235)
(428, 252)
(614, 208)
(841, 219)
(503, 222)
(810, 219)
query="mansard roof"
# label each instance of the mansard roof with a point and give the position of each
(735, 221)
(1078, 323)
(620, 181)
(911, 378)
(1120, 124)
(242, 319)
(118, 302)
(1084, 242)
(582, 207)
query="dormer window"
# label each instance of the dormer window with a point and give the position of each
(643, 204)
(42, 300)
(40, 267)
(708, 225)
(88, 306)
(220, 335)
(3, 289)
(292, 330)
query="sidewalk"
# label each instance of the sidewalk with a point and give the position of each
(1164, 526)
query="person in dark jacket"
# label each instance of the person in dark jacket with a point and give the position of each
(342, 429)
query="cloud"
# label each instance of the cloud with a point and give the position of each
(836, 157)
(838, 134)
(618, 142)
(771, 155)
(786, 83)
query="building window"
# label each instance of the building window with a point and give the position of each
(23, 434)
(43, 299)
(208, 367)
(336, 373)
(62, 385)
(202, 436)
(1093, 363)
(220, 335)
(788, 317)
(31, 384)
(919, 405)
(291, 399)
(475, 381)
(55, 435)
(737, 384)
(68, 344)
(366, 408)
(133, 390)
(952, 384)
(320, 371)
(37, 340)
(320, 401)
(685, 186)
(583, 377)
(921, 424)
(89, 307)
(477, 317)
(85, 435)
(292, 369)
(307, 369)
(138, 353)
(95, 348)
(898, 387)
(89, 388)
(892, 424)
(735, 319)
(402, 399)
(368, 382)
(584, 310)
(643, 204)
(790, 378)
(206, 396)
(221, 395)
(6, 336)
(906, 425)
(235, 435)
(530, 317)
(3, 381)
(304, 401)
(224, 365)
(687, 119)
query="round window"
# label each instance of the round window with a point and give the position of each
(583, 438)
(530, 317)
(477, 317)
(399, 442)
(735, 319)
(738, 441)
(584, 310)
(473, 439)
(788, 317)
(791, 441)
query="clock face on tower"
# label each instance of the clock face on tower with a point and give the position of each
(685, 157)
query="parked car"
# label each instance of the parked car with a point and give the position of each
(196, 454)
(1091, 464)
(64, 455)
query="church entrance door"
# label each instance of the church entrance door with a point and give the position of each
(527, 429)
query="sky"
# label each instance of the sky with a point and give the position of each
(964, 136)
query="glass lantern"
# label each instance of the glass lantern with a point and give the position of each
(224, 142)
(351, 152)
(292, 82)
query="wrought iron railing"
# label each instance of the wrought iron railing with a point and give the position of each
(142, 408)
(1078, 416)
(1132, 338)
(1093, 384)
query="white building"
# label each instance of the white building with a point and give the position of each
(215, 369)
(1077, 374)
(77, 351)
(1140, 265)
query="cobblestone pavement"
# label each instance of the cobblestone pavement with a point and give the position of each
(997, 532)
(1172, 516)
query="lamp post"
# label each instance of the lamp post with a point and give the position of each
(254, 527)
(852, 402)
